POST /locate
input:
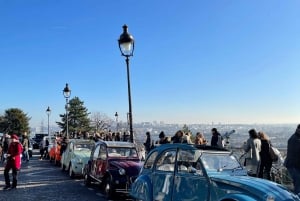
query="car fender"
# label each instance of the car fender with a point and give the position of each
(236, 197)
(141, 188)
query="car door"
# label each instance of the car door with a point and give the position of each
(69, 153)
(94, 157)
(163, 175)
(101, 162)
(190, 182)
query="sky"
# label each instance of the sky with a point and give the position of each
(196, 61)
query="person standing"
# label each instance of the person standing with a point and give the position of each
(253, 147)
(147, 143)
(216, 138)
(13, 162)
(200, 139)
(292, 160)
(265, 157)
(25, 145)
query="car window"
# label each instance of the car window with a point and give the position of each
(166, 161)
(188, 162)
(96, 152)
(150, 160)
(102, 153)
(122, 152)
(219, 162)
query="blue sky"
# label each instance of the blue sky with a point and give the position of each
(196, 61)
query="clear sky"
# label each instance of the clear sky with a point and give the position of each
(196, 61)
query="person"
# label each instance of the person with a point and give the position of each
(162, 138)
(25, 145)
(216, 138)
(178, 137)
(63, 145)
(147, 143)
(265, 157)
(253, 147)
(292, 160)
(13, 162)
(200, 139)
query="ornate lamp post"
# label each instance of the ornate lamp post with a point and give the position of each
(48, 111)
(126, 45)
(67, 94)
(117, 126)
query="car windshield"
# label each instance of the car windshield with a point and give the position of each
(122, 152)
(83, 146)
(219, 161)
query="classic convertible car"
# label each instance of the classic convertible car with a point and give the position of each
(76, 156)
(114, 165)
(180, 172)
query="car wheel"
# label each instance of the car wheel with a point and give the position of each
(71, 173)
(87, 180)
(108, 188)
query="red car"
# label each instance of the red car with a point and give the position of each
(115, 165)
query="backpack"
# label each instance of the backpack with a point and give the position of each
(274, 153)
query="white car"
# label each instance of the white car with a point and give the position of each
(76, 155)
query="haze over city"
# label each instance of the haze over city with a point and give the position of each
(194, 62)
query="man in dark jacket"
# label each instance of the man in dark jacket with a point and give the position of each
(292, 161)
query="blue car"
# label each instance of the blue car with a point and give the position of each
(180, 172)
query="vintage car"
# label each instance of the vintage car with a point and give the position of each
(76, 155)
(114, 164)
(54, 152)
(193, 172)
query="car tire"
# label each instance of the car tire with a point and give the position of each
(71, 173)
(108, 188)
(87, 180)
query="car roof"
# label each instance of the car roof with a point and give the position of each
(116, 144)
(189, 146)
(80, 141)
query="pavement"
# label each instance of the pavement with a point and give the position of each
(43, 181)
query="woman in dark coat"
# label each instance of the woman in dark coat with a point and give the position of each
(265, 157)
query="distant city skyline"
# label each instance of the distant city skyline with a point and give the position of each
(196, 62)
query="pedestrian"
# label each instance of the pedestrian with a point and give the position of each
(265, 157)
(162, 138)
(25, 145)
(13, 162)
(253, 147)
(178, 137)
(200, 139)
(216, 138)
(147, 143)
(292, 160)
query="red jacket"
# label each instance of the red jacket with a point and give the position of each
(15, 150)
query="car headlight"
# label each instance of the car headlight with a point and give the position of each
(122, 171)
(270, 198)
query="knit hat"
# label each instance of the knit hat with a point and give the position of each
(14, 136)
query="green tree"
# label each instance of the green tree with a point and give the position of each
(77, 117)
(14, 121)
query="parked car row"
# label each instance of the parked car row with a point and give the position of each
(111, 165)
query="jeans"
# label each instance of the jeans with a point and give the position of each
(295, 174)
(25, 156)
(14, 175)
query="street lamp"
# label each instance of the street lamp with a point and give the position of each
(116, 115)
(48, 111)
(67, 94)
(126, 45)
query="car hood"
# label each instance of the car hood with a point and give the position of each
(131, 167)
(251, 185)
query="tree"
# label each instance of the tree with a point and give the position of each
(78, 120)
(14, 121)
(100, 122)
